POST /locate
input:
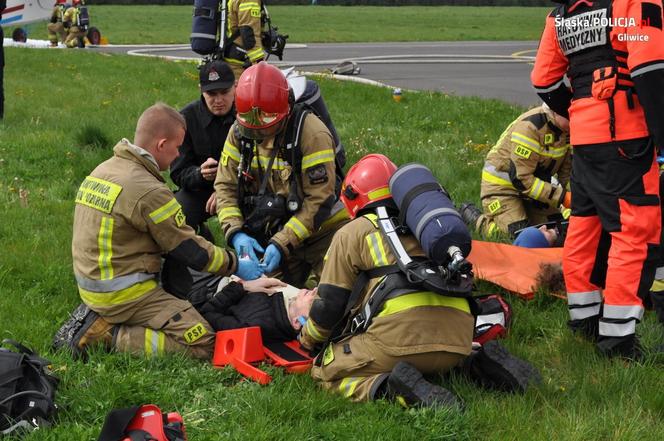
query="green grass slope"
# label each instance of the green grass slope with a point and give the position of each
(66, 109)
(142, 24)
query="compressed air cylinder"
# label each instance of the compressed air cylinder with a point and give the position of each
(429, 212)
(204, 39)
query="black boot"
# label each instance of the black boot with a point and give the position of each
(83, 329)
(627, 347)
(587, 328)
(470, 213)
(658, 304)
(494, 367)
(407, 385)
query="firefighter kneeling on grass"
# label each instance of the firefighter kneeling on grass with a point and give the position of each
(517, 188)
(76, 21)
(277, 180)
(56, 29)
(125, 219)
(379, 333)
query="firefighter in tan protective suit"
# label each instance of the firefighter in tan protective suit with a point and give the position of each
(517, 188)
(412, 333)
(125, 219)
(70, 20)
(273, 198)
(56, 30)
(243, 35)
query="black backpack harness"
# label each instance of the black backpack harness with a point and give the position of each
(408, 275)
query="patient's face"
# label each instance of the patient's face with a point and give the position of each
(300, 306)
(302, 303)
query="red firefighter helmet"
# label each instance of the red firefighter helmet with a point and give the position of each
(60, 2)
(367, 182)
(261, 100)
(76, 2)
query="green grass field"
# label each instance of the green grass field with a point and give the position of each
(330, 24)
(66, 109)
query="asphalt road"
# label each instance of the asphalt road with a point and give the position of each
(487, 69)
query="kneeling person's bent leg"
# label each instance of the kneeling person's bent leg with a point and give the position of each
(357, 367)
(166, 324)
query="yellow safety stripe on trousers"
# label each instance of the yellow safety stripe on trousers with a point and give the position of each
(321, 157)
(488, 177)
(227, 212)
(216, 261)
(105, 245)
(167, 210)
(378, 193)
(255, 54)
(154, 342)
(377, 249)
(422, 298)
(106, 299)
(348, 385)
(536, 189)
(98, 194)
(298, 228)
(557, 152)
(657, 286)
(313, 332)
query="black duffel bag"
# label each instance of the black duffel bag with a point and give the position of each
(27, 389)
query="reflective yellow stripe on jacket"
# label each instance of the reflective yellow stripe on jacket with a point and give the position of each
(295, 225)
(217, 260)
(534, 145)
(165, 211)
(377, 249)
(317, 158)
(105, 244)
(422, 298)
(227, 212)
(106, 299)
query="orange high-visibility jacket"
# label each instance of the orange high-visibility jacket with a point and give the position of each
(612, 52)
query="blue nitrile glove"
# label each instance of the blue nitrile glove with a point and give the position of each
(271, 258)
(247, 269)
(243, 242)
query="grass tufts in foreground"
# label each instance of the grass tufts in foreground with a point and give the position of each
(42, 162)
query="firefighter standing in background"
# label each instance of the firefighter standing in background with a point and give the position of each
(70, 20)
(243, 45)
(126, 217)
(617, 125)
(517, 188)
(276, 193)
(56, 30)
(413, 332)
(209, 120)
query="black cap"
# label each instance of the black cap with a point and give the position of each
(216, 75)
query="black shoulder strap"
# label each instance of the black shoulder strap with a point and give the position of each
(293, 135)
(412, 194)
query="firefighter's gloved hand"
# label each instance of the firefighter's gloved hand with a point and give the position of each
(247, 269)
(271, 258)
(245, 244)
